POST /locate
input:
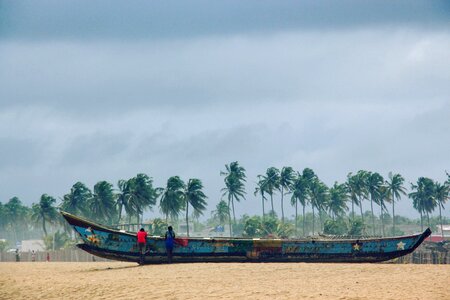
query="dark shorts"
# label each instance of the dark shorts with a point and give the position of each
(169, 245)
(141, 247)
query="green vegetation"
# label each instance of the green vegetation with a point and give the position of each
(234, 189)
(44, 211)
(3, 245)
(195, 197)
(57, 241)
(332, 209)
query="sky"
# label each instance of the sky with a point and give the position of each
(103, 90)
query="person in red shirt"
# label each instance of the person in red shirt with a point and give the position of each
(141, 241)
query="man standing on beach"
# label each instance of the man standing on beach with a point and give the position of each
(170, 236)
(141, 240)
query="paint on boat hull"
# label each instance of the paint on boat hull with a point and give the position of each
(109, 243)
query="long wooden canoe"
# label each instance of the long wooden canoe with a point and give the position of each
(114, 244)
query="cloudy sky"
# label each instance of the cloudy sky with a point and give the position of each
(103, 90)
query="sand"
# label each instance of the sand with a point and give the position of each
(115, 280)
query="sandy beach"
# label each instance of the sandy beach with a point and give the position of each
(115, 280)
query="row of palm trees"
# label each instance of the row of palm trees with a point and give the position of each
(134, 196)
(106, 205)
(178, 196)
(137, 194)
(306, 188)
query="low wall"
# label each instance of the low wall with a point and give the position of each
(420, 257)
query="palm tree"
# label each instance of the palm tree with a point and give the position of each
(374, 183)
(122, 199)
(352, 189)
(234, 186)
(260, 189)
(310, 177)
(318, 197)
(383, 196)
(16, 213)
(360, 186)
(338, 198)
(44, 211)
(102, 202)
(287, 176)
(441, 194)
(272, 183)
(142, 194)
(222, 212)
(423, 197)
(395, 188)
(76, 202)
(195, 197)
(172, 201)
(299, 194)
(125, 199)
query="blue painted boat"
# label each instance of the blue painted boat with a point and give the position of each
(113, 244)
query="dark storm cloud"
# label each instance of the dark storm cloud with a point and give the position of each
(89, 77)
(103, 90)
(184, 19)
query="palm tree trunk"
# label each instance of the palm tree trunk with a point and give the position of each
(264, 212)
(361, 209)
(282, 208)
(440, 220)
(381, 218)
(320, 219)
(234, 216)
(393, 216)
(43, 226)
(313, 220)
(296, 217)
(304, 220)
(187, 218)
(14, 232)
(428, 219)
(271, 202)
(421, 221)
(353, 211)
(229, 217)
(373, 218)
(120, 213)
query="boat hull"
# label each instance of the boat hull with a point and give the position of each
(117, 245)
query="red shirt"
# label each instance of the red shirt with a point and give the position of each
(141, 236)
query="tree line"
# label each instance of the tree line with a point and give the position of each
(306, 189)
(127, 203)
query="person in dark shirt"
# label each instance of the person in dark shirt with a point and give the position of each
(169, 237)
(141, 241)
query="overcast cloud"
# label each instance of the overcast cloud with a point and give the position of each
(103, 91)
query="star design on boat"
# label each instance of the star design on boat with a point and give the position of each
(400, 246)
(357, 247)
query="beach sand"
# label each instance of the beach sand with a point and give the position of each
(115, 280)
